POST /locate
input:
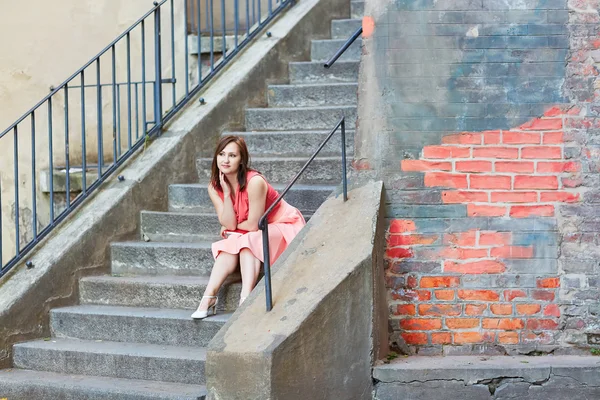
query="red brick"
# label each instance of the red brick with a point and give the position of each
(508, 337)
(455, 253)
(483, 295)
(543, 295)
(510, 295)
(457, 181)
(414, 338)
(411, 282)
(558, 166)
(514, 166)
(511, 137)
(405, 309)
(421, 324)
(506, 324)
(460, 196)
(542, 324)
(536, 182)
(496, 152)
(398, 252)
(475, 309)
(473, 166)
(495, 238)
(552, 138)
(538, 124)
(491, 137)
(539, 338)
(514, 197)
(440, 309)
(407, 240)
(512, 252)
(446, 152)
(548, 282)
(402, 225)
(472, 337)
(564, 197)
(444, 294)
(467, 239)
(462, 323)
(423, 295)
(441, 338)
(552, 310)
(440, 281)
(489, 182)
(463, 138)
(528, 309)
(420, 165)
(474, 210)
(543, 152)
(553, 112)
(572, 182)
(477, 267)
(532, 211)
(501, 309)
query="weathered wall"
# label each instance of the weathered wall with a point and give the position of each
(480, 118)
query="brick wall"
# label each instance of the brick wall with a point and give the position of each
(481, 118)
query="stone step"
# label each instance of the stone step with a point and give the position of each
(161, 326)
(357, 9)
(161, 258)
(310, 95)
(182, 292)
(113, 359)
(194, 197)
(18, 384)
(323, 170)
(323, 50)
(314, 72)
(296, 143)
(305, 118)
(180, 227)
(344, 28)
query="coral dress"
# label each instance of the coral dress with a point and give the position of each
(285, 221)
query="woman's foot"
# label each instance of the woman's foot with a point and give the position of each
(242, 299)
(204, 307)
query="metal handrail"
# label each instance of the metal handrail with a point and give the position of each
(98, 94)
(263, 223)
(342, 49)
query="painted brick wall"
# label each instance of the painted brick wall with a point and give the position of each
(481, 117)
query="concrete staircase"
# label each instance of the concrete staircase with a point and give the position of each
(131, 337)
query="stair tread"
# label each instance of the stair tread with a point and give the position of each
(326, 158)
(310, 85)
(115, 385)
(203, 244)
(277, 186)
(282, 133)
(307, 108)
(139, 312)
(189, 280)
(117, 348)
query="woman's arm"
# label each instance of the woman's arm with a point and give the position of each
(257, 199)
(224, 209)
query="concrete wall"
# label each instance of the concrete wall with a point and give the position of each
(480, 118)
(323, 334)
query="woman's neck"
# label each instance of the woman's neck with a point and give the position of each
(233, 180)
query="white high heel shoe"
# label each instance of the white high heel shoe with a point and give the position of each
(242, 299)
(200, 314)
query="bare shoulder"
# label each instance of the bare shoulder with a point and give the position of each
(257, 184)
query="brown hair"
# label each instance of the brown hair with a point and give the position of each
(244, 163)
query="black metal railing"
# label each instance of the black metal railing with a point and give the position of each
(342, 49)
(263, 222)
(114, 104)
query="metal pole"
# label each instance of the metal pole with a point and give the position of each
(99, 101)
(186, 47)
(116, 111)
(224, 30)
(67, 166)
(199, 41)
(158, 117)
(33, 181)
(83, 145)
(173, 76)
(267, 264)
(129, 113)
(50, 160)
(16, 176)
(345, 180)
(144, 116)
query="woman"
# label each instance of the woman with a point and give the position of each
(241, 196)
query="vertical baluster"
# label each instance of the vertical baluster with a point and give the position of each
(16, 180)
(247, 18)
(137, 112)
(100, 133)
(212, 38)
(236, 19)
(224, 28)
(345, 182)
(158, 70)
(118, 145)
(254, 11)
(258, 11)
(267, 264)
(116, 110)
(129, 113)
(68, 182)
(270, 7)
(33, 181)
(50, 160)
(186, 47)
(144, 114)
(83, 144)
(173, 76)
(1, 229)
(199, 42)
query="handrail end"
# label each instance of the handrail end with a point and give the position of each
(326, 65)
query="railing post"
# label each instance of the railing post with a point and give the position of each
(158, 117)
(267, 263)
(345, 179)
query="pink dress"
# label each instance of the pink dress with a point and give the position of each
(284, 222)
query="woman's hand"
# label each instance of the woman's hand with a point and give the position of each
(224, 184)
(222, 233)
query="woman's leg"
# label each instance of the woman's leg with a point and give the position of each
(250, 268)
(225, 265)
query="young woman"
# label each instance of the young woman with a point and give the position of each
(241, 196)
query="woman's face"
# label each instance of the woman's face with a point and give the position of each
(228, 160)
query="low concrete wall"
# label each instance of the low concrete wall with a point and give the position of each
(325, 329)
(81, 246)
